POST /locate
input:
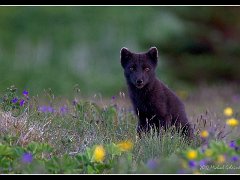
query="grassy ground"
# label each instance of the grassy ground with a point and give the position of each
(73, 126)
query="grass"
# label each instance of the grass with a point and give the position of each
(73, 129)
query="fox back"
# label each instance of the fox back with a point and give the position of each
(154, 103)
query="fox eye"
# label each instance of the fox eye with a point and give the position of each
(131, 68)
(146, 69)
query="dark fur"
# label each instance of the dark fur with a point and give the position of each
(154, 103)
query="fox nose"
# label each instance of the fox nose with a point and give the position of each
(139, 81)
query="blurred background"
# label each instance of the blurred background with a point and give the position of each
(61, 47)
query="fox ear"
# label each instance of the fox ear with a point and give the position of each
(125, 56)
(153, 54)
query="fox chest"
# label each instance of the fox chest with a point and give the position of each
(144, 105)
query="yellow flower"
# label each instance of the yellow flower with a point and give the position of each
(192, 154)
(221, 159)
(125, 145)
(99, 154)
(232, 122)
(228, 111)
(208, 152)
(204, 134)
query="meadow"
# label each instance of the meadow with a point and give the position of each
(49, 134)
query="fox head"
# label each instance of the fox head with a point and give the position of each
(139, 68)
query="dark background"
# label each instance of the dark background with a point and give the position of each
(60, 47)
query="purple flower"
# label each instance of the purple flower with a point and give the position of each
(14, 100)
(203, 150)
(152, 164)
(22, 102)
(232, 144)
(25, 93)
(192, 164)
(113, 98)
(50, 109)
(235, 158)
(27, 158)
(63, 110)
(75, 102)
(203, 162)
(46, 109)
(43, 109)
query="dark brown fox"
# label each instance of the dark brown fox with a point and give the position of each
(155, 104)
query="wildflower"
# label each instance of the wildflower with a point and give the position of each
(152, 164)
(46, 109)
(232, 122)
(204, 134)
(25, 93)
(50, 109)
(125, 145)
(221, 159)
(202, 163)
(202, 150)
(99, 154)
(192, 164)
(27, 158)
(75, 102)
(208, 152)
(22, 102)
(63, 110)
(42, 109)
(235, 158)
(192, 154)
(228, 111)
(113, 98)
(14, 100)
(232, 144)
